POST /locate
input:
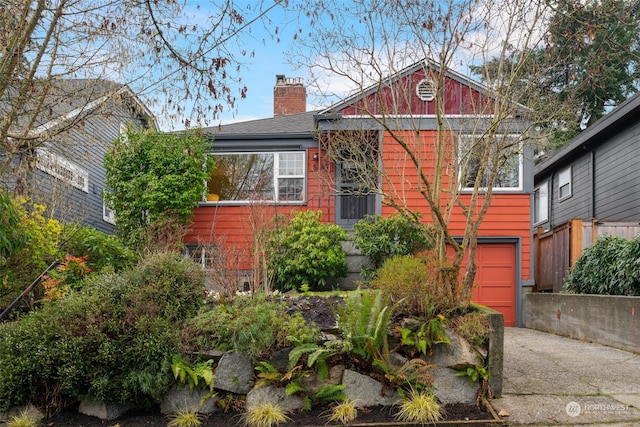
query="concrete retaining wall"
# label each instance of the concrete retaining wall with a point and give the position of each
(608, 320)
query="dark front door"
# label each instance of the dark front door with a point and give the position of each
(353, 200)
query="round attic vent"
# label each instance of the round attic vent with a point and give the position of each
(425, 89)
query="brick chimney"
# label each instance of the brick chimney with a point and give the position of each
(289, 96)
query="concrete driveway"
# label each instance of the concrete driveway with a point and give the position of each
(551, 380)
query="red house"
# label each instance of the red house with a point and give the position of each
(289, 162)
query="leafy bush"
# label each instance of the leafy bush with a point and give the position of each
(474, 327)
(66, 276)
(307, 252)
(412, 283)
(155, 178)
(251, 324)
(12, 236)
(608, 267)
(380, 238)
(114, 339)
(102, 250)
(27, 260)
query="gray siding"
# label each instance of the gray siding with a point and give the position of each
(617, 183)
(578, 205)
(84, 145)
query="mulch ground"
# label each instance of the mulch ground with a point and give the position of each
(316, 417)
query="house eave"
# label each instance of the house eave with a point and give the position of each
(592, 136)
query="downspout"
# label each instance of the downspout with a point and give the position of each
(592, 187)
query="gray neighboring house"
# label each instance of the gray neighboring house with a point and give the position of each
(73, 130)
(595, 178)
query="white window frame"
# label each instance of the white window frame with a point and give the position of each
(541, 203)
(108, 214)
(62, 169)
(462, 164)
(277, 177)
(565, 181)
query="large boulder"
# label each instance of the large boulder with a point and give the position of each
(101, 409)
(457, 355)
(234, 373)
(364, 391)
(274, 395)
(180, 399)
(451, 388)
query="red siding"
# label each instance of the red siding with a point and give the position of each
(400, 97)
(233, 226)
(508, 214)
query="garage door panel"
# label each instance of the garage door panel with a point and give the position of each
(496, 279)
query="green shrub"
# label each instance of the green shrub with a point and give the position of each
(380, 238)
(474, 327)
(412, 283)
(608, 267)
(114, 339)
(251, 324)
(307, 252)
(102, 250)
(169, 284)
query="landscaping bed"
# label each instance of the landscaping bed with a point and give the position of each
(314, 417)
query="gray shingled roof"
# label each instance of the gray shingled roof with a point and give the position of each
(302, 123)
(53, 99)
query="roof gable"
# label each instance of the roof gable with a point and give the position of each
(397, 95)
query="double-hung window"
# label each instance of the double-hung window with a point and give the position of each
(564, 184)
(500, 154)
(541, 203)
(259, 176)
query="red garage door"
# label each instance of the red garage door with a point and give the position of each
(496, 279)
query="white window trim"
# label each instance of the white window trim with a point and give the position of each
(561, 183)
(498, 189)
(60, 168)
(276, 177)
(108, 214)
(540, 193)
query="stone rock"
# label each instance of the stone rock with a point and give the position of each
(101, 409)
(457, 355)
(449, 388)
(274, 395)
(280, 359)
(234, 373)
(364, 391)
(183, 399)
(312, 384)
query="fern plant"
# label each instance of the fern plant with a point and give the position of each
(364, 321)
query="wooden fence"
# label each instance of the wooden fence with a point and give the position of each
(558, 249)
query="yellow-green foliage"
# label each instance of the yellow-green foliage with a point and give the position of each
(185, 418)
(419, 407)
(413, 281)
(343, 413)
(41, 247)
(24, 419)
(264, 415)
